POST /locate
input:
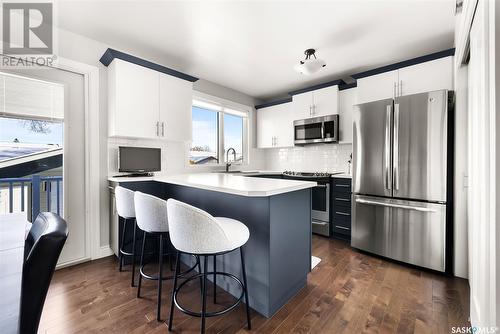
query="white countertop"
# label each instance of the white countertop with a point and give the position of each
(227, 183)
(347, 176)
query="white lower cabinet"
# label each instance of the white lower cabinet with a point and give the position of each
(275, 126)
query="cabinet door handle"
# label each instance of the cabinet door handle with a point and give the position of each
(394, 90)
(401, 88)
(163, 129)
(342, 213)
(342, 227)
(342, 199)
(157, 128)
(310, 110)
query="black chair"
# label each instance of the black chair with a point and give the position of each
(42, 249)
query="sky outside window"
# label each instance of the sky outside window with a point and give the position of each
(233, 135)
(204, 148)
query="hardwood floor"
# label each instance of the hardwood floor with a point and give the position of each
(349, 292)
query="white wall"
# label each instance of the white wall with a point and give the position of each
(483, 157)
(82, 49)
(460, 170)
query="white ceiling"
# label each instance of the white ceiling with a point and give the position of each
(251, 46)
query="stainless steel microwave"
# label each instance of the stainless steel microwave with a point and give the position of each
(324, 129)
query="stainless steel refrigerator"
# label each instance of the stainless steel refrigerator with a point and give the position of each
(401, 181)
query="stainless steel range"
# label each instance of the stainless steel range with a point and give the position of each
(320, 214)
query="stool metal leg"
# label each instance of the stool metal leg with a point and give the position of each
(121, 244)
(199, 271)
(245, 287)
(204, 292)
(177, 265)
(133, 254)
(215, 280)
(141, 264)
(160, 281)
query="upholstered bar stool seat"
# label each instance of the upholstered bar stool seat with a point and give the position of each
(152, 219)
(126, 210)
(194, 231)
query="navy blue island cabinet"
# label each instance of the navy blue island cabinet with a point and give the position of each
(278, 253)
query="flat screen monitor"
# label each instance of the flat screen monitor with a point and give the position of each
(139, 159)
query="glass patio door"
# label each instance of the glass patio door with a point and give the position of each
(42, 150)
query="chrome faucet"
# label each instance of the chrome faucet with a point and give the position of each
(228, 164)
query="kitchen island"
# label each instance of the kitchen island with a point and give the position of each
(277, 213)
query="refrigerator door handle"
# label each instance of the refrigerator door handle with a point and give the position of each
(392, 205)
(387, 149)
(395, 160)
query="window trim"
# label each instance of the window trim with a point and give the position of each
(220, 105)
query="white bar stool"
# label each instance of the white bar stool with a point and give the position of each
(151, 216)
(194, 231)
(125, 209)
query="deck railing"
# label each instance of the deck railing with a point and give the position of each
(35, 184)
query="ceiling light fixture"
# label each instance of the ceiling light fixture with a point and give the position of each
(309, 65)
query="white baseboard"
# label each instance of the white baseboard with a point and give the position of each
(104, 251)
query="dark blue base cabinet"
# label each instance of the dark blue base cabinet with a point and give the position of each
(278, 254)
(341, 208)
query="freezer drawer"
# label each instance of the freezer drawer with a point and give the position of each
(411, 232)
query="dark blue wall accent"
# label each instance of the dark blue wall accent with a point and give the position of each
(111, 54)
(348, 85)
(319, 86)
(273, 103)
(405, 63)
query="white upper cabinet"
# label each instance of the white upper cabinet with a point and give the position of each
(316, 103)
(265, 133)
(377, 87)
(275, 126)
(144, 103)
(302, 105)
(347, 98)
(176, 97)
(325, 101)
(424, 77)
(134, 102)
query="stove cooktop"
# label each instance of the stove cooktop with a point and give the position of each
(308, 174)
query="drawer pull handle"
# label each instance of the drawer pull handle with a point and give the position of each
(342, 213)
(343, 228)
(342, 199)
(343, 185)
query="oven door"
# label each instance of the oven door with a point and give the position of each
(306, 133)
(321, 202)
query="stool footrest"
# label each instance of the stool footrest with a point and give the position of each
(208, 314)
(164, 278)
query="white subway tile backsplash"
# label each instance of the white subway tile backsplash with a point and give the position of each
(310, 158)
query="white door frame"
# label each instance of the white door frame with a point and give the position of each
(92, 193)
